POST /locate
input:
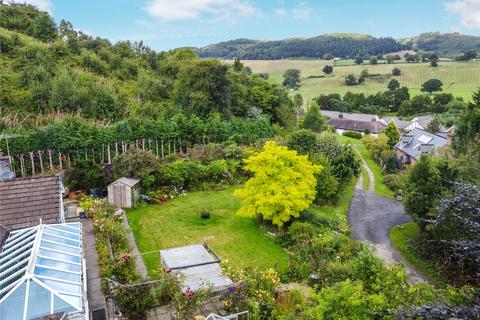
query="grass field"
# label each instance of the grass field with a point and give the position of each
(459, 78)
(178, 223)
(402, 237)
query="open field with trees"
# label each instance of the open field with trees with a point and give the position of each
(459, 78)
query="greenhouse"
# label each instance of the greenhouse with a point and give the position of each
(41, 273)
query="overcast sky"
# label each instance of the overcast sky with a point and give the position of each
(167, 24)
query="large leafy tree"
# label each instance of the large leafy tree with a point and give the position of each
(424, 188)
(283, 184)
(392, 133)
(291, 78)
(313, 119)
(432, 85)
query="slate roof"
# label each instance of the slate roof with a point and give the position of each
(24, 201)
(364, 117)
(418, 141)
(355, 125)
(422, 122)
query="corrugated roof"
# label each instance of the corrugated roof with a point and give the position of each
(26, 200)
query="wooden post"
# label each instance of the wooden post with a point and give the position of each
(60, 159)
(33, 163)
(103, 154)
(50, 159)
(93, 155)
(156, 147)
(69, 162)
(169, 149)
(40, 154)
(108, 154)
(22, 165)
(163, 154)
(116, 148)
(174, 148)
(180, 144)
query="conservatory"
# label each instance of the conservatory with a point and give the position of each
(41, 273)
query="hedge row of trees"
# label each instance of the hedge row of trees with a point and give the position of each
(74, 133)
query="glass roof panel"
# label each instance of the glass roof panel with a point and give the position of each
(12, 307)
(39, 301)
(59, 255)
(59, 264)
(53, 253)
(59, 247)
(56, 274)
(63, 286)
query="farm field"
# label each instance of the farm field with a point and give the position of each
(459, 78)
(178, 223)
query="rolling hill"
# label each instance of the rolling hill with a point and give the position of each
(344, 45)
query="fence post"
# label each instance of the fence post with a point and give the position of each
(40, 153)
(108, 154)
(50, 159)
(33, 163)
(60, 159)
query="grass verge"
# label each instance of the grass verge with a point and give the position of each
(402, 238)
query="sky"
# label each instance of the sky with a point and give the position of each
(168, 24)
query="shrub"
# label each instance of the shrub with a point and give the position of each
(352, 134)
(394, 182)
(217, 171)
(85, 175)
(136, 163)
(303, 141)
(185, 174)
(327, 184)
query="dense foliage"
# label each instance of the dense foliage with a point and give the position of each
(50, 70)
(338, 45)
(283, 184)
(448, 45)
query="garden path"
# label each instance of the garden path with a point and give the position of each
(372, 216)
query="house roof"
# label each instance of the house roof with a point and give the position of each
(364, 117)
(127, 181)
(422, 122)
(41, 272)
(418, 142)
(26, 200)
(355, 125)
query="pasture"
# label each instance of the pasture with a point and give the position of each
(459, 78)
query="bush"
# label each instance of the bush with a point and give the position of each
(394, 182)
(303, 141)
(136, 163)
(352, 134)
(85, 175)
(185, 174)
(217, 171)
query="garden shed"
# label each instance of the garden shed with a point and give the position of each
(124, 192)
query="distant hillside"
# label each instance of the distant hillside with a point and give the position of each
(447, 45)
(343, 45)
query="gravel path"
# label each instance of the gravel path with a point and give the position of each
(372, 216)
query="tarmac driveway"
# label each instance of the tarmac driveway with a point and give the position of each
(371, 217)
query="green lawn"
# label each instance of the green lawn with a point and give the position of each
(380, 188)
(459, 78)
(178, 223)
(402, 238)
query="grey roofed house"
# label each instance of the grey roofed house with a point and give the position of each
(24, 201)
(201, 267)
(422, 122)
(356, 125)
(418, 142)
(364, 117)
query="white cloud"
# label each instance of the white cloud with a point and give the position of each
(468, 10)
(171, 10)
(281, 11)
(302, 12)
(43, 5)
